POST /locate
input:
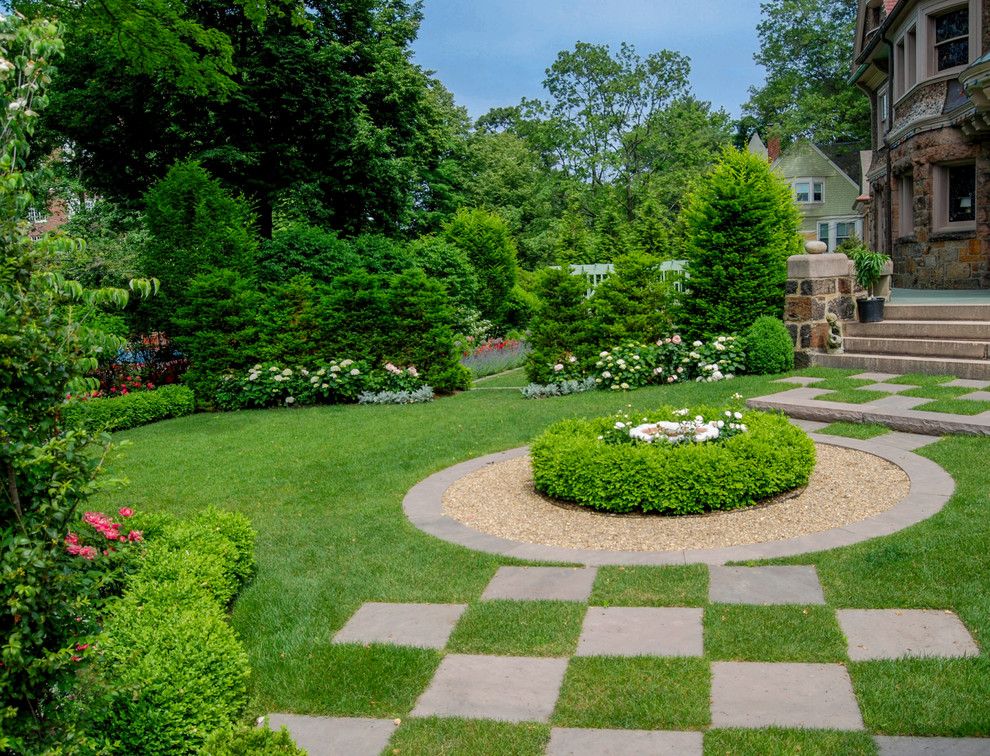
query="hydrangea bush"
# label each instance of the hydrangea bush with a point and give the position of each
(685, 461)
(339, 381)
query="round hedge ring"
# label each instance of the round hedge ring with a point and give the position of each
(597, 464)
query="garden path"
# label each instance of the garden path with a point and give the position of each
(733, 694)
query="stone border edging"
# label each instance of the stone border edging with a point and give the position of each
(930, 489)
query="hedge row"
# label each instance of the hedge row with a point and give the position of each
(572, 463)
(170, 671)
(131, 410)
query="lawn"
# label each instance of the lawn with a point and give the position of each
(324, 486)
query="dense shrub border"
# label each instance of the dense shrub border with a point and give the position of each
(129, 411)
(575, 461)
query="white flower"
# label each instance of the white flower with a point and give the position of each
(699, 419)
(624, 386)
(290, 400)
(601, 438)
(657, 371)
(720, 346)
(635, 356)
(720, 339)
(355, 371)
(681, 412)
(615, 387)
(253, 376)
(304, 371)
(737, 415)
(412, 371)
(572, 359)
(603, 354)
(606, 374)
(717, 376)
(728, 413)
(737, 395)
(325, 386)
(273, 369)
(334, 368)
(315, 379)
(287, 372)
(620, 425)
(720, 424)
(321, 371)
(696, 343)
(257, 368)
(558, 367)
(346, 363)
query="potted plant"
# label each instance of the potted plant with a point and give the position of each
(869, 268)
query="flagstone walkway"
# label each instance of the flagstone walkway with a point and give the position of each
(896, 411)
(743, 694)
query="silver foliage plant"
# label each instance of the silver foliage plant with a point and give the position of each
(541, 391)
(422, 394)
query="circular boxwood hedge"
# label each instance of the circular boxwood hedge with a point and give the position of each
(589, 463)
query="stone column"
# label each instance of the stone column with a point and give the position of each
(817, 284)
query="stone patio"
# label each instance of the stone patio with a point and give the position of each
(419, 625)
(641, 631)
(765, 585)
(577, 742)
(541, 584)
(897, 633)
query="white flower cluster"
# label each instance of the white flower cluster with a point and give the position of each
(697, 430)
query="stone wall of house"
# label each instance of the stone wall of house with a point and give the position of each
(930, 259)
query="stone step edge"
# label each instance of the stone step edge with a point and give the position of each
(921, 347)
(886, 363)
(909, 421)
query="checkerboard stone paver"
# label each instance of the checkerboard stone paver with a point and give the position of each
(419, 625)
(800, 380)
(541, 583)
(907, 746)
(336, 736)
(765, 585)
(875, 376)
(641, 631)
(754, 695)
(566, 741)
(506, 688)
(896, 633)
(977, 396)
(968, 383)
(890, 388)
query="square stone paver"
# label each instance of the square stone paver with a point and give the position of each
(894, 633)
(977, 396)
(876, 377)
(811, 426)
(800, 380)
(890, 388)
(420, 625)
(541, 583)
(904, 746)
(507, 688)
(751, 694)
(336, 736)
(641, 631)
(565, 741)
(968, 383)
(765, 585)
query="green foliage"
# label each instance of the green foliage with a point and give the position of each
(741, 226)
(113, 253)
(445, 262)
(806, 48)
(486, 240)
(571, 462)
(868, 267)
(217, 327)
(769, 348)
(247, 740)
(307, 250)
(195, 224)
(129, 411)
(633, 302)
(171, 668)
(561, 325)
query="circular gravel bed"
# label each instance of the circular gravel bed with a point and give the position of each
(847, 486)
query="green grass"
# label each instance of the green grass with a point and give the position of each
(841, 383)
(920, 379)
(779, 742)
(442, 736)
(829, 373)
(519, 628)
(514, 378)
(324, 488)
(956, 406)
(937, 392)
(855, 430)
(851, 396)
(736, 632)
(651, 586)
(634, 693)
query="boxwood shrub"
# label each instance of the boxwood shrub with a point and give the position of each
(129, 411)
(769, 348)
(573, 463)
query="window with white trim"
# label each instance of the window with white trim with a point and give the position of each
(883, 107)
(833, 233)
(808, 190)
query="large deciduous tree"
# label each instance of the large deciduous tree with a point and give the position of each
(806, 47)
(330, 110)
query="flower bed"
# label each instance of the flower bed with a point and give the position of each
(494, 356)
(672, 461)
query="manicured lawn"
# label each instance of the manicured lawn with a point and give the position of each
(851, 395)
(855, 430)
(937, 392)
(921, 379)
(956, 406)
(324, 487)
(514, 378)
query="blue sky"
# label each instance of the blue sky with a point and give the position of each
(494, 52)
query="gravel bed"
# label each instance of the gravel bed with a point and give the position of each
(845, 487)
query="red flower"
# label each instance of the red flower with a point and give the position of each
(134, 535)
(125, 511)
(82, 646)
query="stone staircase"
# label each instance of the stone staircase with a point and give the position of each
(948, 339)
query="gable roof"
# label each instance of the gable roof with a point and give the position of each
(843, 156)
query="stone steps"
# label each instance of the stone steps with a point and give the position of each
(937, 312)
(900, 364)
(956, 349)
(971, 330)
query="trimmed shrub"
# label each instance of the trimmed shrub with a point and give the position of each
(740, 225)
(130, 410)
(306, 250)
(632, 303)
(487, 240)
(577, 461)
(246, 740)
(561, 325)
(769, 348)
(448, 264)
(171, 669)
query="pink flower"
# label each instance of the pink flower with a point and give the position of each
(72, 539)
(676, 339)
(82, 646)
(87, 552)
(125, 511)
(135, 535)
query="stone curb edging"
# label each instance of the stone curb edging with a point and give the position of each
(930, 489)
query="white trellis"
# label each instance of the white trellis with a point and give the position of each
(670, 270)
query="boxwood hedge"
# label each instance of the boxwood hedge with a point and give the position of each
(572, 462)
(123, 412)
